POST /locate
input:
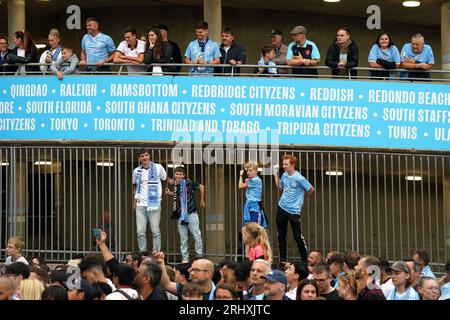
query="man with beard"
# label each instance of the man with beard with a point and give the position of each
(314, 258)
(275, 286)
(147, 279)
(96, 48)
(232, 53)
(365, 272)
(201, 273)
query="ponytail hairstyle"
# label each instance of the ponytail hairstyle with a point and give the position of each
(263, 240)
(259, 237)
(54, 32)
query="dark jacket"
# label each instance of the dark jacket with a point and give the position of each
(333, 58)
(236, 52)
(30, 57)
(166, 57)
(4, 60)
(176, 56)
(371, 294)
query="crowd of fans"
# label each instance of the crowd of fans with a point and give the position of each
(154, 47)
(146, 276)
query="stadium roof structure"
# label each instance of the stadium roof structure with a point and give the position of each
(428, 14)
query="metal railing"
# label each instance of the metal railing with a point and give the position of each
(54, 195)
(364, 73)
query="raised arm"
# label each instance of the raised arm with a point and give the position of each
(277, 178)
(242, 184)
(202, 196)
(165, 280)
(106, 254)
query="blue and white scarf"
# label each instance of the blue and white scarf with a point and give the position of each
(411, 294)
(184, 202)
(202, 44)
(152, 186)
(180, 194)
(55, 54)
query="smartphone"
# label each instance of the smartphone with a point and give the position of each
(96, 233)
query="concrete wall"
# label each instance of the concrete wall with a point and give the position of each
(252, 27)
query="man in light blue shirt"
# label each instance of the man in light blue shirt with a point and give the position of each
(294, 187)
(302, 52)
(96, 48)
(202, 51)
(417, 56)
(421, 257)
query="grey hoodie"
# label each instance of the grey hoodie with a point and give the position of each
(66, 67)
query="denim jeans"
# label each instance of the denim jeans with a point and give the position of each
(194, 228)
(154, 217)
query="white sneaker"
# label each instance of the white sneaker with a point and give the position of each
(185, 261)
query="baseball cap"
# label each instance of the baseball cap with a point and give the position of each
(401, 266)
(298, 29)
(275, 32)
(83, 285)
(276, 276)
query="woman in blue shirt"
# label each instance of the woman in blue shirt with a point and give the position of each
(384, 55)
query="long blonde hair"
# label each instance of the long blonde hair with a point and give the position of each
(31, 289)
(259, 236)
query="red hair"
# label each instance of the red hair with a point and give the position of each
(292, 159)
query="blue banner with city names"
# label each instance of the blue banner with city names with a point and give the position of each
(339, 113)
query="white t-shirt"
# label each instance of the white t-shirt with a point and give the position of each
(127, 51)
(162, 175)
(22, 70)
(44, 55)
(387, 287)
(407, 295)
(118, 296)
(292, 294)
(111, 284)
(20, 259)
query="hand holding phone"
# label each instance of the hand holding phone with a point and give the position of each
(96, 233)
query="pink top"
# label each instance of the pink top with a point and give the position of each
(255, 252)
